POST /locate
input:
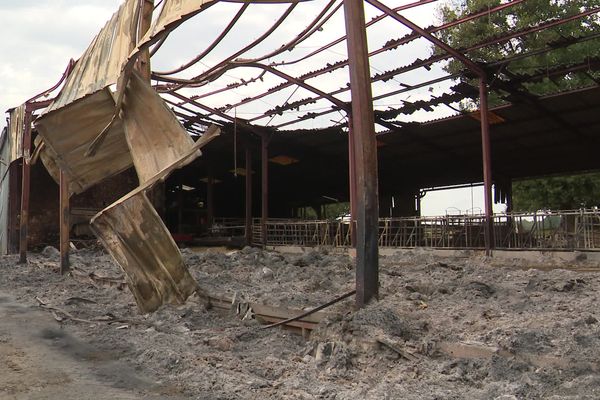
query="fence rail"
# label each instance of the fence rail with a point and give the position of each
(567, 230)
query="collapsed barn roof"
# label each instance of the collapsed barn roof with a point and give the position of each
(114, 111)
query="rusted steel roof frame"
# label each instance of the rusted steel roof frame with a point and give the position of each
(368, 24)
(47, 92)
(378, 76)
(288, 78)
(493, 65)
(215, 71)
(409, 108)
(450, 24)
(211, 46)
(389, 46)
(419, 64)
(425, 63)
(309, 30)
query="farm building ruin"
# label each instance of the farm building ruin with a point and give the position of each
(239, 125)
(120, 141)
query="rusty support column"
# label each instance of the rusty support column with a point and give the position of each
(25, 187)
(487, 166)
(210, 197)
(365, 155)
(64, 223)
(264, 161)
(352, 184)
(248, 223)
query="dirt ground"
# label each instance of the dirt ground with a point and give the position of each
(444, 328)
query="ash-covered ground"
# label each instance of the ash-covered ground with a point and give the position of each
(444, 328)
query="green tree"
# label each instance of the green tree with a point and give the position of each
(533, 54)
(527, 14)
(557, 193)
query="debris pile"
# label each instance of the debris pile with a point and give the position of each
(464, 327)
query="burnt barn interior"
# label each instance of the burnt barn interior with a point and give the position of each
(245, 165)
(310, 167)
(235, 144)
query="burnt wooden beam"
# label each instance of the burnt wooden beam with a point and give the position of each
(365, 155)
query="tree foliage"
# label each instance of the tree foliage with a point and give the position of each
(544, 53)
(558, 193)
(533, 54)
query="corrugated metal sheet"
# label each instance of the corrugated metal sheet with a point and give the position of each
(68, 133)
(145, 133)
(173, 11)
(101, 64)
(4, 190)
(134, 234)
(155, 136)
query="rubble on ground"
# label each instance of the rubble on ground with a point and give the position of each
(444, 328)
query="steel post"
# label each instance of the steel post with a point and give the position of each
(264, 161)
(365, 155)
(487, 166)
(352, 184)
(248, 223)
(210, 197)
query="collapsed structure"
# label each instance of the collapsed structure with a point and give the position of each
(109, 118)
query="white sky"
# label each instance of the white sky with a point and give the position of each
(41, 36)
(456, 201)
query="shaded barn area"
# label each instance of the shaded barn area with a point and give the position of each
(555, 134)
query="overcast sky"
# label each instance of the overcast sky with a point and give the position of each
(41, 36)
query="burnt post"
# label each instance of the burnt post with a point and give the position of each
(26, 186)
(352, 185)
(365, 155)
(487, 166)
(248, 222)
(264, 161)
(210, 197)
(65, 224)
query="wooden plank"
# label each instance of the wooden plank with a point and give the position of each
(248, 197)
(281, 313)
(271, 314)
